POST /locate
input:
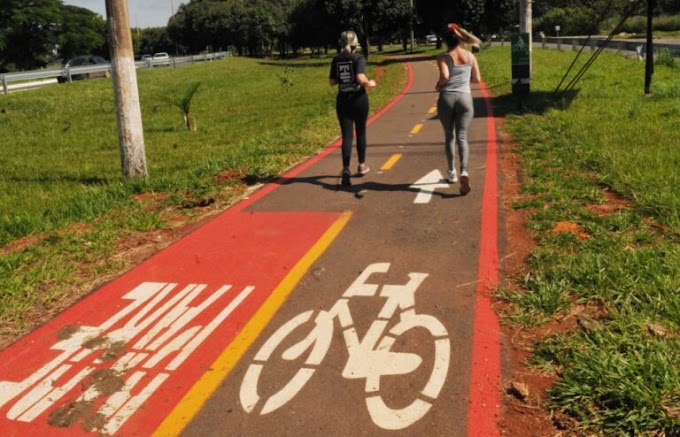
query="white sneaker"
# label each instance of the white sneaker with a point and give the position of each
(452, 178)
(464, 182)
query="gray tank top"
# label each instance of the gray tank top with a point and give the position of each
(459, 76)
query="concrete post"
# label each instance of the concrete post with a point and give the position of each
(128, 111)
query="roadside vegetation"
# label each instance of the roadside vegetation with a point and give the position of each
(600, 173)
(67, 216)
(666, 26)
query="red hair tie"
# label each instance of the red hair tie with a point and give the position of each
(453, 26)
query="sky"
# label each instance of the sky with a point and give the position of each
(143, 13)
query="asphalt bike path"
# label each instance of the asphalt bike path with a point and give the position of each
(307, 308)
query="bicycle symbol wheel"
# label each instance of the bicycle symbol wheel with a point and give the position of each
(400, 418)
(318, 340)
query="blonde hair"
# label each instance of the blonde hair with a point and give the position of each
(461, 35)
(348, 42)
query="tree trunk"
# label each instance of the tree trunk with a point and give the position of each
(365, 48)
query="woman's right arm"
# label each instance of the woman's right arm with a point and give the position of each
(443, 72)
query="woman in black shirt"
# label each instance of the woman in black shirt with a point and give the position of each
(348, 71)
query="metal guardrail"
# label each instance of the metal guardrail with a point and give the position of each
(633, 47)
(67, 74)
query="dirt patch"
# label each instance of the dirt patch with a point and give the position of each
(106, 381)
(67, 332)
(614, 203)
(70, 414)
(151, 201)
(525, 414)
(113, 351)
(31, 240)
(570, 228)
(379, 72)
(94, 343)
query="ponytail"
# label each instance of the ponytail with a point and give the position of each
(456, 34)
(348, 42)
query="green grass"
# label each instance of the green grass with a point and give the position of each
(62, 186)
(607, 136)
(59, 147)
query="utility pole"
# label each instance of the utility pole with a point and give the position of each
(128, 111)
(411, 23)
(649, 56)
(520, 50)
(525, 20)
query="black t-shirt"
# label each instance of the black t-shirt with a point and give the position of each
(344, 70)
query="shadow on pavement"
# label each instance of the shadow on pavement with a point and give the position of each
(358, 187)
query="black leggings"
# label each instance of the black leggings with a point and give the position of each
(352, 111)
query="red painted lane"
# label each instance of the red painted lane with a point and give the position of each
(240, 249)
(486, 367)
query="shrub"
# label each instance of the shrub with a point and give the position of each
(664, 57)
(572, 21)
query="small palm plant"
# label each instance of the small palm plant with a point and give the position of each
(184, 105)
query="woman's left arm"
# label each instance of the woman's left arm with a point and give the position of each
(476, 76)
(364, 81)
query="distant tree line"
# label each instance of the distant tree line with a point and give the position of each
(37, 32)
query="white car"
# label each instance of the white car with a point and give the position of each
(161, 58)
(431, 39)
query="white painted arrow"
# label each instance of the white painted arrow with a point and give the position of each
(427, 185)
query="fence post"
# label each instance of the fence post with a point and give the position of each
(4, 84)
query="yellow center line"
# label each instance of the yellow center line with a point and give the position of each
(416, 128)
(432, 110)
(390, 162)
(192, 402)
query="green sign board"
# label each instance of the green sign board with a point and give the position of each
(521, 63)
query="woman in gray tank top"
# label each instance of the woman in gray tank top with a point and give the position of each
(457, 69)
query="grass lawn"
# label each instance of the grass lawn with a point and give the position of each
(618, 272)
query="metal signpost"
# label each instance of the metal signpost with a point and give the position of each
(521, 64)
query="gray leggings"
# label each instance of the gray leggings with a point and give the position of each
(455, 113)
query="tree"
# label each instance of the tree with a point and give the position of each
(368, 18)
(436, 14)
(82, 32)
(312, 26)
(29, 33)
(391, 20)
(154, 40)
(498, 15)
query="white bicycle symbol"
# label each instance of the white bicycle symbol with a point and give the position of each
(369, 358)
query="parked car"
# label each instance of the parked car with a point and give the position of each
(147, 58)
(83, 61)
(161, 58)
(431, 39)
